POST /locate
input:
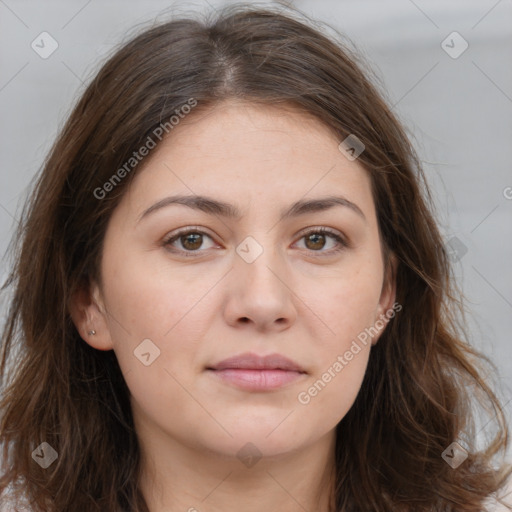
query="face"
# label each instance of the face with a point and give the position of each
(187, 287)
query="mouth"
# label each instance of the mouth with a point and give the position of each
(257, 373)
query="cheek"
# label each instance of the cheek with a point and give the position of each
(147, 304)
(146, 296)
(347, 303)
(333, 393)
(341, 357)
(144, 302)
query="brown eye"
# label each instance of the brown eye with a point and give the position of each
(316, 239)
(191, 240)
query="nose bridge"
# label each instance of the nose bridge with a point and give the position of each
(259, 259)
(259, 292)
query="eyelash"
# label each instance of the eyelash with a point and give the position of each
(343, 244)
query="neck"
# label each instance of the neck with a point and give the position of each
(178, 478)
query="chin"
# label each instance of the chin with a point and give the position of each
(254, 442)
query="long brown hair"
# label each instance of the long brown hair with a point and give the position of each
(423, 379)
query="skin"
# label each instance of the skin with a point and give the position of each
(297, 298)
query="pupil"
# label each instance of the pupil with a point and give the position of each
(191, 236)
(314, 238)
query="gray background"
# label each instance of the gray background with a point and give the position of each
(458, 112)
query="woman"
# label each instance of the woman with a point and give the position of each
(231, 293)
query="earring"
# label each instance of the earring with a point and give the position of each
(92, 333)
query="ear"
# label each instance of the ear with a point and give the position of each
(89, 314)
(387, 307)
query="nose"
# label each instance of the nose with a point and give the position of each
(260, 295)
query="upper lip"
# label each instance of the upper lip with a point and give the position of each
(249, 361)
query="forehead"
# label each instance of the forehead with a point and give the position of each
(242, 152)
(235, 128)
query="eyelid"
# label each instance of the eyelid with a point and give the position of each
(321, 229)
(175, 235)
(339, 237)
(343, 242)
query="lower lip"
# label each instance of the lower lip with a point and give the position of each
(257, 380)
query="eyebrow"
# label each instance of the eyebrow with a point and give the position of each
(213, 206)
